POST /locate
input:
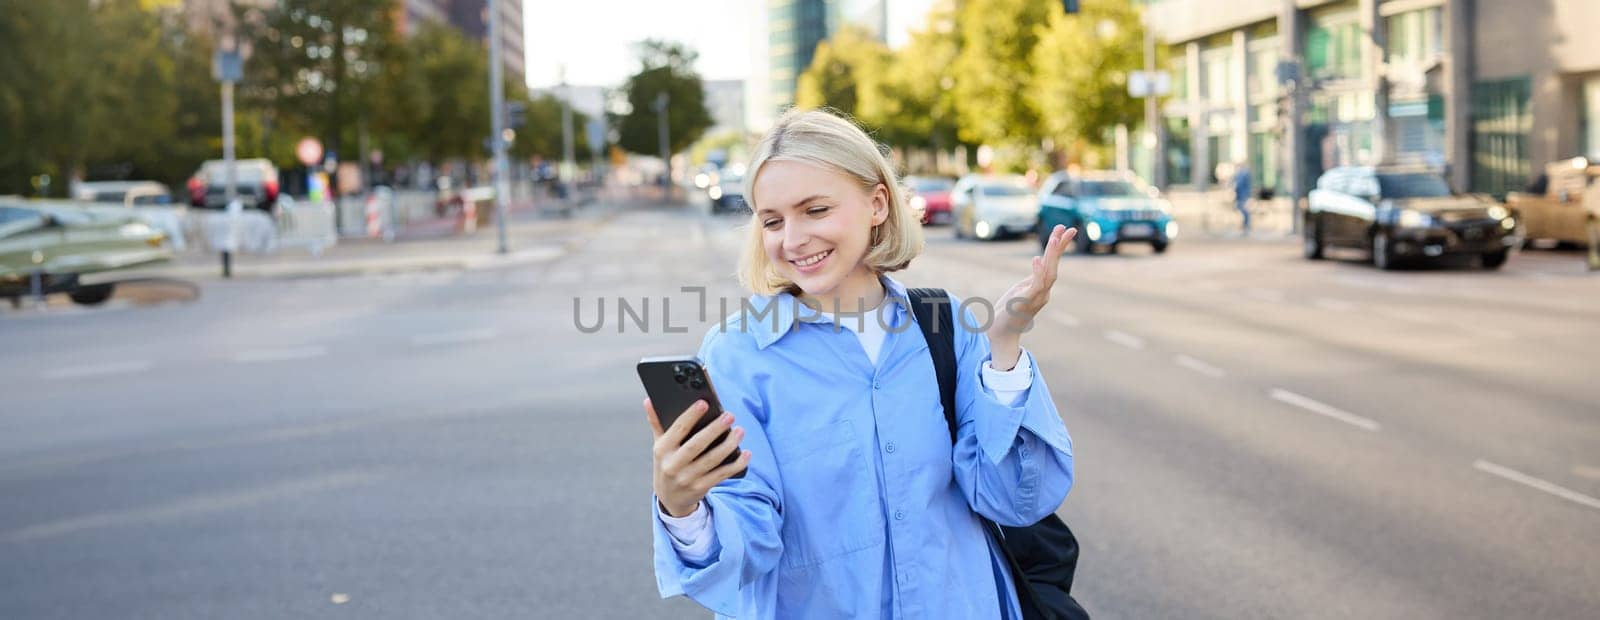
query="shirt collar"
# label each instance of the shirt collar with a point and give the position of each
(769, 317)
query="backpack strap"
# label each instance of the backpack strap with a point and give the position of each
(939, 329)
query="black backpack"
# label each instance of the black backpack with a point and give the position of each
(1042, 556)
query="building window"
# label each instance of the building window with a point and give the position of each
(1178, 66)
(1415, 37)
(1216, 75)
(1333, 46)
(1261, 78)
(1264, 159)
(1501, 120)
(1589, 119)
(1180, 162)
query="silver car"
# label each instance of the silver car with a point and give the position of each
(993, 206)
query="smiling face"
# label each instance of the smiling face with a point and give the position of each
(816, 227)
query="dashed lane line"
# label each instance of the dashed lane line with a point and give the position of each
(1323, 409)
(1199, 366)
(1537, 483)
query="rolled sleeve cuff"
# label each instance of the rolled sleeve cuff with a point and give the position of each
(999, 424)
(692, 535)
(715, 585)
(1008, 386)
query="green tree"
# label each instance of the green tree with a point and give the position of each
(48, 80)
(129, 106)
(102, 89)
(847, 73)
(1081, 65)
(665, 67)
(454, 119)
(993, 69)
(541, 135)
(918, 102)
(317, 63)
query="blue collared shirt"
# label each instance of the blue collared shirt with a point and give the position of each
(855, 503)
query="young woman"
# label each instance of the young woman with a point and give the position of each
(854, 502)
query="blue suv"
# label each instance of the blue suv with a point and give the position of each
(1108, 208)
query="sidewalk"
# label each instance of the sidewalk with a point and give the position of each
(533, 235)
(1211, 214)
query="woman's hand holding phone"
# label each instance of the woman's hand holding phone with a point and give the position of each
(685, 471)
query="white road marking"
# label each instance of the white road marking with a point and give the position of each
(98, 370)
(1199, 366)
(1066, 319)
(471, 335)
(1542, 485)
(279, 355)
(1285, 396)
(1125, 339)
(1336, 305)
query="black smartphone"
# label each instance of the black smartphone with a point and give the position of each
(673, 383)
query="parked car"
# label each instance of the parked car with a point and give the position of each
(1107, 208)
(62, 243)
(256, 184)
(727, 193)
(125, 193)
(1400, 213)
(931, 197)
(992, 206)
(1567, 200)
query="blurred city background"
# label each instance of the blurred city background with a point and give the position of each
(317, 307)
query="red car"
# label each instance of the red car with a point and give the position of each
(931, 196)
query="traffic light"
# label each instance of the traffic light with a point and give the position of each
(1069, 6)
(516, 114)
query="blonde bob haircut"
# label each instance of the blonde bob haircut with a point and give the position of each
(825, 140)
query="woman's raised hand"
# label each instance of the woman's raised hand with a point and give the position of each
(1017, 307)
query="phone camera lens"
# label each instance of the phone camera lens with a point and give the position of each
(679, 378)
(697, 384)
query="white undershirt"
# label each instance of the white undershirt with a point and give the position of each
(692, 535)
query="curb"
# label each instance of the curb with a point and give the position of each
(360, 267)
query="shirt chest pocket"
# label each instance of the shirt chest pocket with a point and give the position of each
(830, 494)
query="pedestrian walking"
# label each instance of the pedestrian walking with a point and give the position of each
(1241, 194)
(854, 501)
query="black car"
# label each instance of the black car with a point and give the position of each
(1401, 214)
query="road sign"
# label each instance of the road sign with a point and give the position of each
(227, 66)
(308, 151)
(596, 130)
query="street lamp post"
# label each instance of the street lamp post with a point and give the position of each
(228, 68)
(662, 99)
(497, 119)
(1158, 151)
(568, 168)
(1291, 72)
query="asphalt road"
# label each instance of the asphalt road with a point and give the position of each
(1257, 436)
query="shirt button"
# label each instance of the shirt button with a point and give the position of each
(875, 386)
(899, 515)
(889, 447)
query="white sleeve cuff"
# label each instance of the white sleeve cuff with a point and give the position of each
(1009, 386)
(692, 535)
